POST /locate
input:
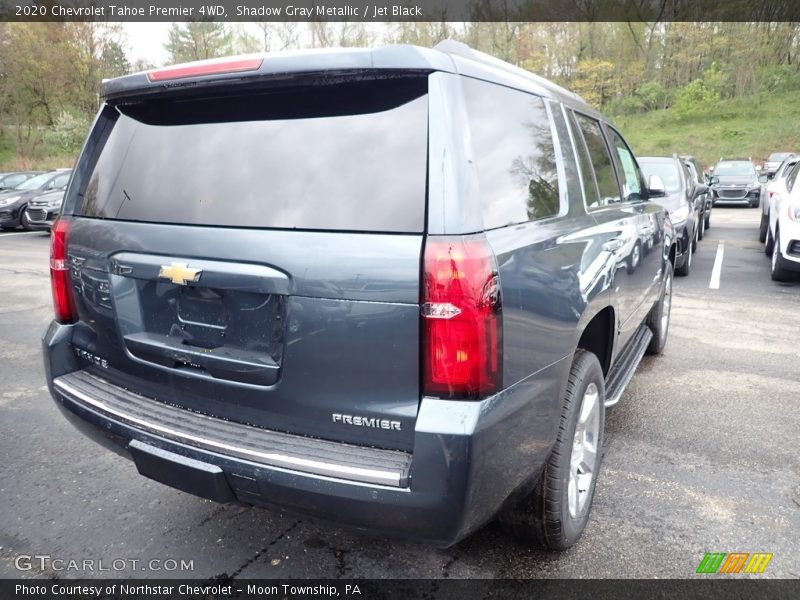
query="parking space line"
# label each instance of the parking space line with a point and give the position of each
(16, 233)
(716, 272)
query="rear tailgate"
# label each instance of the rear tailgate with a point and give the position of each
(256, 257)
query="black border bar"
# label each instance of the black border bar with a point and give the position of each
(702, 587)
(401, 10)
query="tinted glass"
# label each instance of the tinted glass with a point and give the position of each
(791, 178)
(59, 181)
(513, 147)
(631, 181)
(601, 160)
(588, 181)
(568, 157)
(779, 156)
(787, 168)
(693, 175)
(336, 157)
(735, 169)
(666, 169)
(14, 180)
(35, 182)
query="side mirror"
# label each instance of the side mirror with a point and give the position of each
(655, 187)
(763, 178)
(700, 189)
(713, 180)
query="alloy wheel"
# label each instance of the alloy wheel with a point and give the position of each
(584, 458)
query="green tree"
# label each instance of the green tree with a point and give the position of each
(198, 40)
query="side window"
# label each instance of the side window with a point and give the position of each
(13, 180)
(601, 160)
(567, 152)
(513, 147)
(693, 175)
(791, 178)
(60, 181)
(590, 192)
(630, 179)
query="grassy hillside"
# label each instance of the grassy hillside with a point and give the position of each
(746, 127)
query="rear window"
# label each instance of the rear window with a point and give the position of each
(348, 156)
(667, 170)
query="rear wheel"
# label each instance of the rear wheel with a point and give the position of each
(686, 267)
(658, 321)
(762, 229)
(778, 271)
(769, 243)
(701, 228)
(708, 219)
(557, 511)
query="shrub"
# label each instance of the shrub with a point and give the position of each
(67, 133)
(695, 98)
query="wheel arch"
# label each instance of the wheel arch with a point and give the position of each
(597, 336)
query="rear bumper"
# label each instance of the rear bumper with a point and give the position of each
(468, 458)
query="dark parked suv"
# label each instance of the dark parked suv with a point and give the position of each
(393, 288)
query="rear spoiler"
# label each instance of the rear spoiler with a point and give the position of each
(276, 66)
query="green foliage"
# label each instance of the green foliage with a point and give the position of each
(652, 95)
(693, 99)
(198, 40)
(779, 78)
(67, 134)
(595, 81)
(662, 132)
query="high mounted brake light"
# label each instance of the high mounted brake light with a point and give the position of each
(206, 68)
(461, 319)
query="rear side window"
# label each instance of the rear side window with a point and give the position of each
(601, 160)
(346, 156)
(513, 147)
(59, 181)
(588, 181)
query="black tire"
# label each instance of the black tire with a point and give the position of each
(769, 243)
(762, 229)
(544, 516)
(701, 228)
(655, 321)
(686, 268)
(695, 238)
(778, 270)
(708, 219)
(23, 220)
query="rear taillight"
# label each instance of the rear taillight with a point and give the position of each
(461, 319)
(63, 303)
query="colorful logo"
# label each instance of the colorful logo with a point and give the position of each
(735, 562)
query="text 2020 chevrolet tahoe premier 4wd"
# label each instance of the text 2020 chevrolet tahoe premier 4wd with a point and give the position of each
(392, 288)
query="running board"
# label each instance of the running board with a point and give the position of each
(622, 372)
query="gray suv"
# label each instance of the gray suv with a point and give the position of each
(392, 288)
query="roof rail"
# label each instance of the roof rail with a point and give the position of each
(461, 49)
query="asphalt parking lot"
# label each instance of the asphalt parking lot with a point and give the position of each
(701, 456)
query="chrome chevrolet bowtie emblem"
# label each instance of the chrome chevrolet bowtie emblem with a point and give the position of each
(179, 273)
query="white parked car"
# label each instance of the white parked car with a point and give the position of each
(775, 185)
(783, 233)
